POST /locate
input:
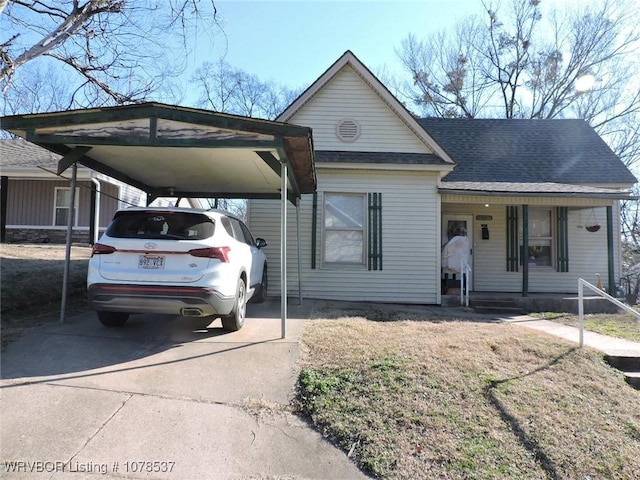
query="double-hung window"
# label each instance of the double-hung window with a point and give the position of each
(62, 206)
(540, 252)
(547, 238)
(344, 229)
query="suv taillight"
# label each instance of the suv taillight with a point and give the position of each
(221, 253)
(101, 249)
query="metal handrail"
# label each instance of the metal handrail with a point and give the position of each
(465, 271)
(581, 284)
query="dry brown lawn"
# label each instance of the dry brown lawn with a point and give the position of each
(31, 285)
(458, 399)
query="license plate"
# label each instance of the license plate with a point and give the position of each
(151, 261)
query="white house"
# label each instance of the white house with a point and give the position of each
(537, 199)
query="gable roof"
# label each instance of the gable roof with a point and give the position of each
(540, 151)
(349, 59)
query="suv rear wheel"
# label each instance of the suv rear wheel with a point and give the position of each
(112, 319)
(235, 320)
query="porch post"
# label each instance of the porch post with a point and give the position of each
(4, 187)
(612, 280)
(525, 250)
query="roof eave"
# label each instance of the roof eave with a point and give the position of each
(495, 193)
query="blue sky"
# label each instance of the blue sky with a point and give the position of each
(293, 42)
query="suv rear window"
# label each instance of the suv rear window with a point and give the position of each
(161, 225)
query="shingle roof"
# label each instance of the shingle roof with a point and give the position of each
(335, 156)
(20, 153)
(527, 151)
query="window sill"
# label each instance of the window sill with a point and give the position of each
(344, 266)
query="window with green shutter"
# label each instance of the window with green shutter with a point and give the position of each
(351, 229)
(547, 242)
(344, 233)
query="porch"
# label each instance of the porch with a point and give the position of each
(515, 303)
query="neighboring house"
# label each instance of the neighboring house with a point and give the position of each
(537, 199)
(35, 201)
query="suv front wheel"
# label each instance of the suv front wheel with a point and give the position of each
(235, 320)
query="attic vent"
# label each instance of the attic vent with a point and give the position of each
(348, 130)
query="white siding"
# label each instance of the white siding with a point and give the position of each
(410, 219)
(587, 252)
(348, 96)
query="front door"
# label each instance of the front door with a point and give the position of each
(453, 225)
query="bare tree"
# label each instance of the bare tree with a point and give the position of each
(225, 88)
(117, 50)
(527, 62)
(521, 64)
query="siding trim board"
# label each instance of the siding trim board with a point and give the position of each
(314, 230)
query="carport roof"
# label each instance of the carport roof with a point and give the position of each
(172, 151)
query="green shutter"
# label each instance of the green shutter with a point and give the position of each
(512, 239)
(314, 228)
(562, 239)
(375, 231)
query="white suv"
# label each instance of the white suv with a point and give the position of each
(177, 261)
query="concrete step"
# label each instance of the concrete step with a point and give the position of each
(628, 365)
(506, 307)
(633, 379)
(625, 363)
(498, 310)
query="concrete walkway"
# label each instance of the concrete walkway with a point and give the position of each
(162, 398)
(607, 345)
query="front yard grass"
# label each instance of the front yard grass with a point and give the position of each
(464, 400)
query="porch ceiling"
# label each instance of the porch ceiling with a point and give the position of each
(171, 151)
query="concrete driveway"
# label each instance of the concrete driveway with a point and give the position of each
(162, 398)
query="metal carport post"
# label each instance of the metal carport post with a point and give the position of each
(283, 250)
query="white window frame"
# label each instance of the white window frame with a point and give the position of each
(325, 229)
(56, 206)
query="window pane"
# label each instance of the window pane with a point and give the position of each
(343, 247)
(539, 223)
(62, 216)
(157, 225)
(63, 197)
(344, 211)
(540, 253)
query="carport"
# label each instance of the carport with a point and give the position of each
(172, 151)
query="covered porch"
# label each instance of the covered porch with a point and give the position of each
(530, 239)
